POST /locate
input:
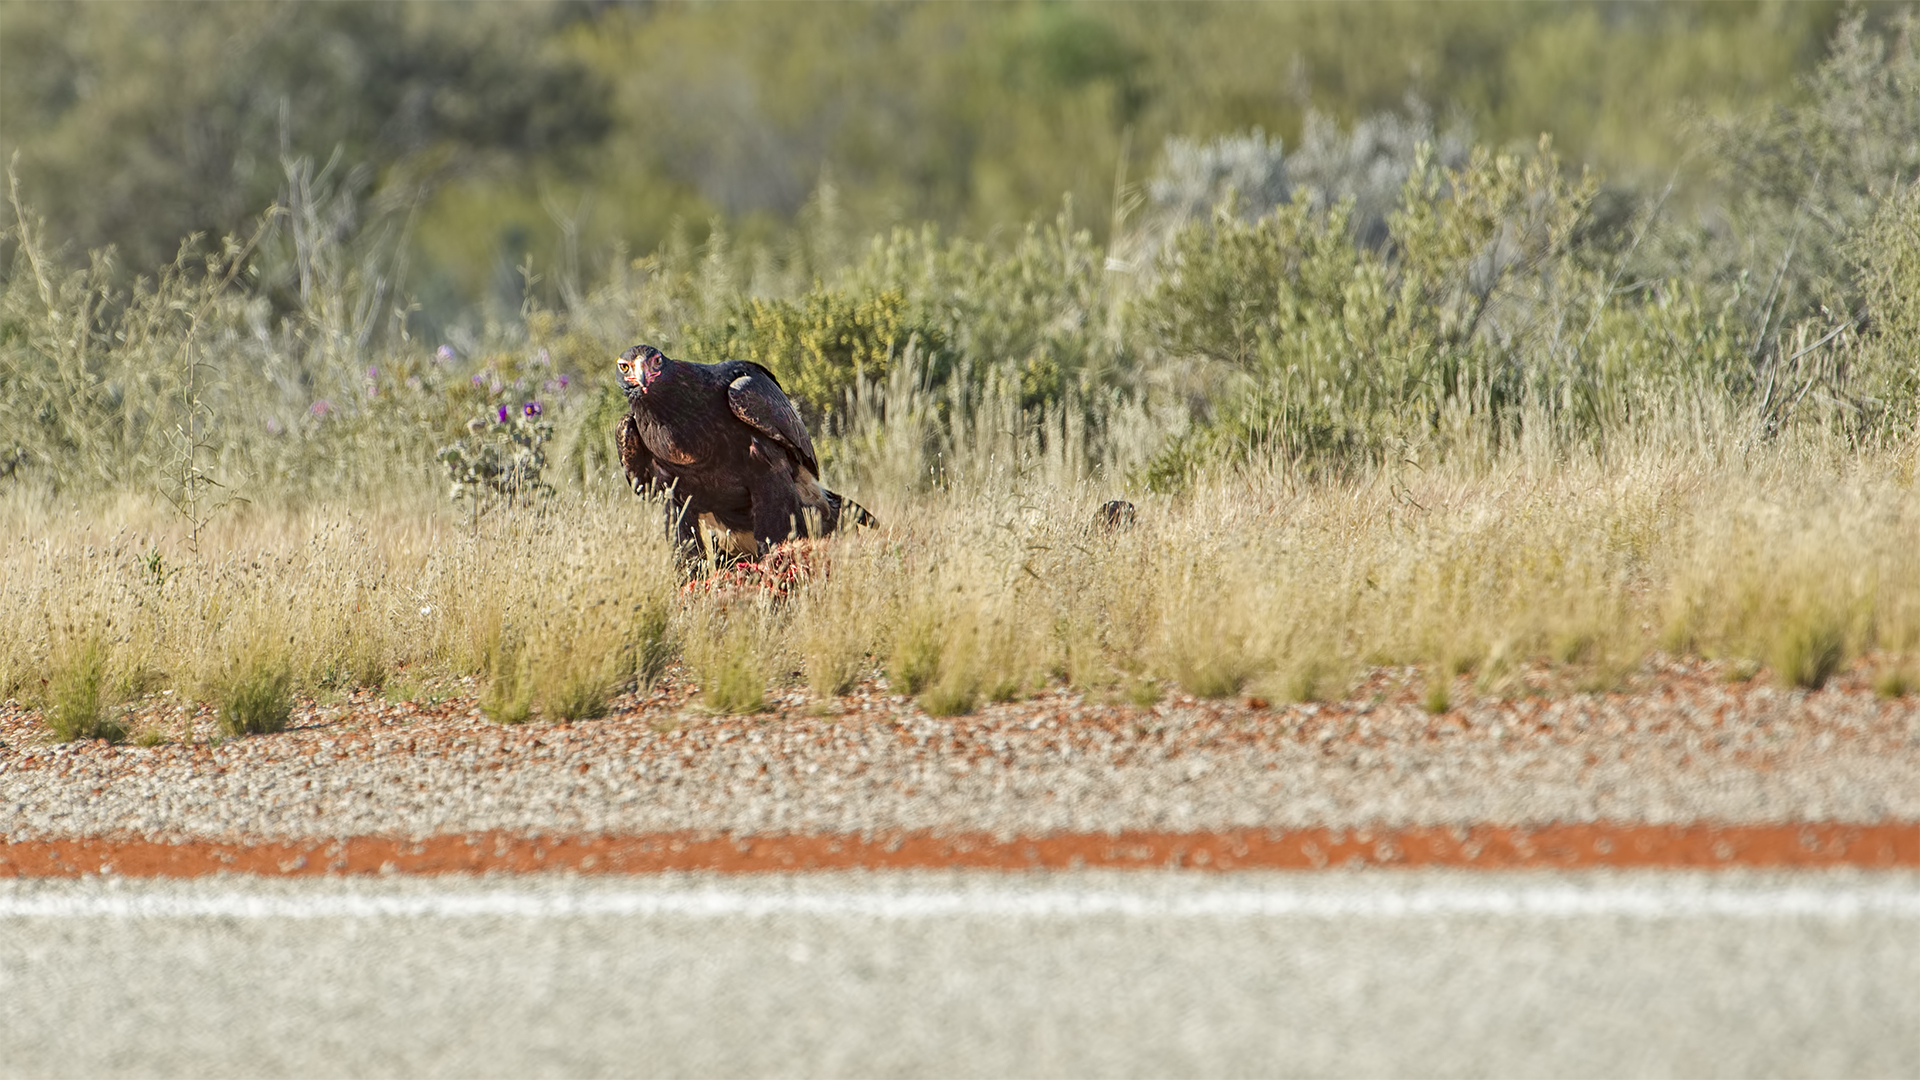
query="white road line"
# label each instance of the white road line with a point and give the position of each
(1546, 901)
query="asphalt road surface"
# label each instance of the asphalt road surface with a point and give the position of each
(947, 973)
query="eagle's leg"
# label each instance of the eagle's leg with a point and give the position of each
(683, 532)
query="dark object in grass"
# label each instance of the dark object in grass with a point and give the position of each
(1113, 517)
(722, 443)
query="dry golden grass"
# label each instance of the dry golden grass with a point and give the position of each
(1801, 556)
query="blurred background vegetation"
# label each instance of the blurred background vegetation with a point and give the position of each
(292, 247)
(561, 130)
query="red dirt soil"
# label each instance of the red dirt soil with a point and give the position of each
(1887, 846)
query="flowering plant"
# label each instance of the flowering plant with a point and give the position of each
(502, 456)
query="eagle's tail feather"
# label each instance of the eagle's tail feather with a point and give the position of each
(842, 511)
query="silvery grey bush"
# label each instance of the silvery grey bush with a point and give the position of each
(1368, 163)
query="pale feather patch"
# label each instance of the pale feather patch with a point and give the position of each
(719, 538)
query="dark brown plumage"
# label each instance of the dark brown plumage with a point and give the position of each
(722, 443)
(1114, 517)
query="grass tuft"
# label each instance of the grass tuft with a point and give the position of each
(1311, 679)
(915, 661)
(955, 694)
(735, 686)
(728, 659)
(1895, 681)
(580, 693)
(508, 697)
(1807, 651)
(653, 644)
(256, 698)
(78, 701)
(369, 669)
(150, 736)
(833, 636)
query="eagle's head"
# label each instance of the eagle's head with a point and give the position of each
(639, 367)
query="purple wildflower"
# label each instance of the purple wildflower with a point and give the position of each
(503, 414)
(530, 409)
(320, 409)
(563, 381)
(497, 387)
(273, 426)
(373, 373)
(479, 380)
(443, 354)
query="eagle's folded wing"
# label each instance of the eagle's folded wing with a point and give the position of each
(756, 398)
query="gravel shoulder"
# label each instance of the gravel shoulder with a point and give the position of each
(1681, 746)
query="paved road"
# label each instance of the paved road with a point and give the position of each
(1086, 974)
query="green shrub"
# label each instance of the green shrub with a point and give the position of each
(820, 345)
(1884, 383)
(1489, 303)
(1312, 679)
(366, 664)
(576, 675)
